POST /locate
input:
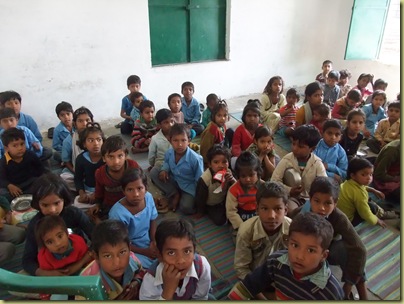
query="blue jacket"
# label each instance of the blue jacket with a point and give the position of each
(30, 138)
(335, 157)
(372, 120)
(192, 113)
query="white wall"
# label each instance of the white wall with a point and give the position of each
(82, 51)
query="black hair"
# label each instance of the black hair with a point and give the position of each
(379, 82)
(162, 115)
(9, 95)
(310, 223)
(355, 95)
(326, 62)
(111, 232)
(379, 92)
(255, 102)
(356, 164)
(146, 104)
(370, 76)
(91, 127)
(272, 189)
(395, 105)
(131, 175)
(322, 109)
(334, 75)
(399, 96)
(171, 96)
(48, 184)
(310, 89)
(7, 113)
(46, 224)
(248, 160)
(133, 96)
(133, 79)
(253, 107)
(112, 144)
(332, 123)
(12, 134)
(63, 106)
(218, 149)
(355, 112)
(174, 228)
(293, 92)
(178, 129)
(326, 185)
(211, 97)
(263, 131)
(307, 135)
(81, 111)
(220, 105)
(345, 74)
(268, 87)
(187, 84)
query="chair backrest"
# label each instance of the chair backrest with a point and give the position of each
(89, 287)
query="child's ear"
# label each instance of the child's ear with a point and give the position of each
(325, 255)
(312, 149)
(286, 209)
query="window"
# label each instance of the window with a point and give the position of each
(187, 30)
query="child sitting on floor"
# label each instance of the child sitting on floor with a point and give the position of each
(313, 96)
(211, 101)
(379, 84)
(331, 88)
(64, 111)
(374, 113)
(180, 273)
(326, 68)
(301, 272)
(145, 127)
(363, 81)
(351, 136)
(272, 100)
(136, 98)
(288, 113)
(190, 108)
(321, 113)
(345, 87)
(346, 104)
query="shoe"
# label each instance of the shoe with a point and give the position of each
(50, 132)
(118, 126)
(389, 215)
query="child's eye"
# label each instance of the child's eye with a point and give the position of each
(188, 251)
(170, 253)
(294, 245)
(106, 256)
(311, 250)
(48, 243)
(123, 252)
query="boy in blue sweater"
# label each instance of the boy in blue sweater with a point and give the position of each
(64, 111)
(190, 107)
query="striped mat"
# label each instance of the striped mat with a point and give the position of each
(383, 260)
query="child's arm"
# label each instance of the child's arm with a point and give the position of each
(378, 193)
(79, 177)
(236, 143)
(201, 196)
(335, 113)
(31, 124)
(33, 142)
(243, 256)
(360, 202)
(4, 182)
(152, 154)
(379, 133)
(341, 166)
(278, 173)
(206, 118)
(231, 210)
(269, 163)
(196, 119)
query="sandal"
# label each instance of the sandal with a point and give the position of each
(118, 125)
(161, 205)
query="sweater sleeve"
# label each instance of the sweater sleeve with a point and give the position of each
(152, 154)
(29, 258)
(4, 182)
(79, 175)
(362, 207)
(231, 210)
(242, 255)
(201, 196)
(236, 143)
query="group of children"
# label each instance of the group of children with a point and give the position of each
(236, 178)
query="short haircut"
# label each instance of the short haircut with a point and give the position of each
(133, 96)
(9, 95)
(187, 84)
(218, 149)
(171, 96)
(355, 95)
(178, 129)
(272, 189)
(263, 131)
(7, 113)
(112, 144)
(268, 87)
(313, 224)
(379, 82)
(12, 134)
(131, 175)
(211, 97)
(46, 224)
(356, 164)
(81, 111)
(91, 127)
(322, 109)
(63, 106)
(292, 92)
(379, 93)
(327, 62)
(48, 184)
(162, 115)
(355, 112)
(332, 123)
(248, 160)
(133, 79)
(345, 74)
(146, 104)
(174, 228)
(363, 75)
(251, 106)
(111, 232)
(326, 185)
(220, 105)
(307, 135)
(394, 105)
(333, 75)
(311, 88)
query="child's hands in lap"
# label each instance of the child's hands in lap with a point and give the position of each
(14, 190)
(296, 190)
(163, 176)
(130, 292)
(36, 146)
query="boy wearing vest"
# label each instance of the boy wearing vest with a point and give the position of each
(179, 273)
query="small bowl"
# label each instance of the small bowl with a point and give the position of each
(21, 203)
(292, 178)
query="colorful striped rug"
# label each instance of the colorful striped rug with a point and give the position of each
(383, 260)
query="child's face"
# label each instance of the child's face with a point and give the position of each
(291, 100)
(301, 151)
(378, 101)
(316, 116)
(326, 68)
(166, 125)
(178, 252)
(148, 114)
(219, 162)
(356, 124)
(331, 82)
(343, 81)
(363, 177)
(316, 98)
(252, 120)
(175, 104)
(180, 143)
(276, 86)
(322, 203)
(93, 142)
(221, 117)
(9, 122)
(14, 104)
(115, 160)
(138, 101)
(264, 143)
(134, 87)
(332, 136)
(393, 113)
(51, 205)
(271, 211)
(188, 92)
(382, 87)
(135, 192)
(16, 148)
(363, 82)
(114, 259)
(305, 253)
(350, 102)
(211, 104)
(56, 240)
(82, 121)
(248, 177)
(66, 118)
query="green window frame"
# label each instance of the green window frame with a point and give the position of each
(366, 29)
(183, 31)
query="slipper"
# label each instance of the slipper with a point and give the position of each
(118, 125)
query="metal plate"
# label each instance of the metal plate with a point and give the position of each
(21, 203)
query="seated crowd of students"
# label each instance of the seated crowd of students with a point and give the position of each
(284, 213)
